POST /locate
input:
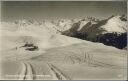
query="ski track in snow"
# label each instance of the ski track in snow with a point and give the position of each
(94, 62)
(23, 71)
(26, 72)
(56, 73)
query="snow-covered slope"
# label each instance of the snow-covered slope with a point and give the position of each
(44, 36)
(91, 61)
(115, 25)
(64, 24)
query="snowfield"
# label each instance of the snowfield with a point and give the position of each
(32, 51)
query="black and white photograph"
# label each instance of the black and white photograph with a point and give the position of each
(63, 40)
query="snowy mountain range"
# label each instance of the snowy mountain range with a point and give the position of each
(110, 31)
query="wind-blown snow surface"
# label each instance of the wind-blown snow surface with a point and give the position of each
(59, 57)
(41, 35)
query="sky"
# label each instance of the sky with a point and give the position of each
(60, 9)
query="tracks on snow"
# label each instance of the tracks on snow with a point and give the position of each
(57, 73)
(26, 72)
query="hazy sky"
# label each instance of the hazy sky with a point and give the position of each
(40, 9)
